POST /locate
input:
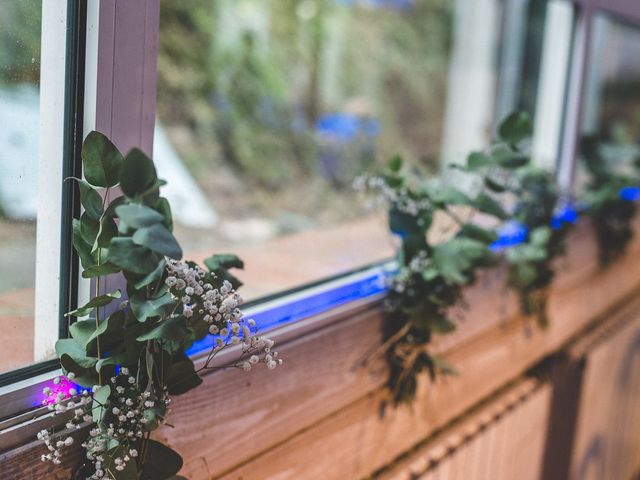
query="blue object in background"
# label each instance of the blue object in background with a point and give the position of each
(566, 212)
(510, 234)
(631, 194)
(313, 302)
(345, 126)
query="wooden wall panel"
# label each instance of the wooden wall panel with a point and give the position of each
(321, 375)
(607, 443)
(502, 440)
(356, 441)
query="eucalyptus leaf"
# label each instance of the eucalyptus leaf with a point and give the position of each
(163, 206)
(100, 398)
(101, 160)
(182, 377)
(107, 229)
(173, 328)
(158, 239)
(144, 308)
(90, 199)
(225, 261)
(487, 204)
(89, 229)
(478, 160)
(515, 128)
(95, 302)
(395, 164)
(161, 463)
(103, 269)
(138, 174)
(137, 216)
(83, 249)
(126, 254)
(152, 277)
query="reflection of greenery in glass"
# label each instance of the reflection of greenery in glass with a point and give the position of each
(20, 41)
(246, 82)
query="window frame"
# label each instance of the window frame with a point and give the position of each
(66, 269)
(329, 300)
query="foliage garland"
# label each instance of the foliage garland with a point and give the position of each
(431, 275)
(610, 199)
(126, 359)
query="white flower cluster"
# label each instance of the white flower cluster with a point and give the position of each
(58, 403)
(399, 198)
(219, 309)
(403, 280)
(127, 413)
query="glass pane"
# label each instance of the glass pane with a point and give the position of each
(20, 23)
(268, 109)
(611, 123)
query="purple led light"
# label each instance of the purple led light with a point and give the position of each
(63, 386)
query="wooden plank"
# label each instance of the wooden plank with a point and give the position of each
(470, 439)
(356, 441)
(278, 406)
(607, 442)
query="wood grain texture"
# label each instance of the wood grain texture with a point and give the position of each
(355, 440)
(607, 441)
(321, 416)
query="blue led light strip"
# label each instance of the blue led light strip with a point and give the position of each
(316, 300)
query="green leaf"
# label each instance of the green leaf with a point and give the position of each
(478, 160)
(515, 128)
(163, 206)
(395, 164)
(107, 229)
(161, 462)
(487, 204)
(82, 248)
(173, 328)
(144, 308)
(101, 160)
(138, 174)
(138, 216)
(441, 324)
(159, 239)
(95, 302)
(494, 186)
(88, 228)
(106, 268)
(153, 277)
(478, 233)
(540, 236)
(90, 199)
(124, 253)
(100, 402)
(455, 258)
(182, 377)
(71, 349)
(404, 224)
(226, 261)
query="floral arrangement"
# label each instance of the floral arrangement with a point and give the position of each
(126, 358)
(610, 196)
(432, 273)
(538, 220)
